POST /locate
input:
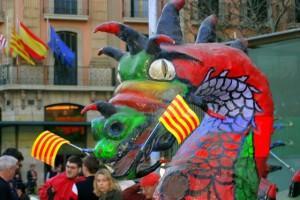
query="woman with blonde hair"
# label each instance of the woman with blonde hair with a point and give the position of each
(105, 187)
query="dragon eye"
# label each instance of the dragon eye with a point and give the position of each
(114, 129)
(162, 69)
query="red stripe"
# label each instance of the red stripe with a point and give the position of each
(176, 109)
(178, 123)
(32, 35)
(171, 125)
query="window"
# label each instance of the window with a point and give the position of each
(297, 9)
(205, 8)
(66, 113)
(65, 7)
(257, 10)
(139, 8)
(66, 75)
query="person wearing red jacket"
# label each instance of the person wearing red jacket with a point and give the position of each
(60, 187)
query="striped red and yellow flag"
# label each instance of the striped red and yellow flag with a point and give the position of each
(16, 47)
(46, 146)
(179, 119)
(33, 44)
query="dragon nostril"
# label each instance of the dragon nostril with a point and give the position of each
(116, 127)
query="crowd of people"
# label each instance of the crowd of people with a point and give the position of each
(83, 178)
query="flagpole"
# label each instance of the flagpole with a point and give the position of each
(48, 57)
(7, 60)
(80, 149)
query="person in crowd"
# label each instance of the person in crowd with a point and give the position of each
(22, 192)
(84, 189)
(60, 187)
(105, 187)
(54, 171)
(8, 167)
(11, 151)
(31, 179)
(143, 190)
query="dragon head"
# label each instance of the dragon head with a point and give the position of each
(219, 79)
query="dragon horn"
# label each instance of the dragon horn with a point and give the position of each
(241, 44)
(106, 109)
(153, 45)
(112, 52)
(169, 21)
(135, 41)
(207, 30)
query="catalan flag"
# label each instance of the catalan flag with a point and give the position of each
(46, 146)
(16, 47)
(179, 119)
(32, 44)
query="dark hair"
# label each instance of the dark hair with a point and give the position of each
(91, 163)
(14, 153)
(76, 160)
(21, 186)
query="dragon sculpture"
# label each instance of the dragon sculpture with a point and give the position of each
(225, 156)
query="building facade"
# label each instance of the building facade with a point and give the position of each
(50, 95)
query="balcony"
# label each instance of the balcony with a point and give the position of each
(45, 77)
(135, 11)
(66, 9)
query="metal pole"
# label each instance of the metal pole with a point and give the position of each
(152, 24)
(282, 162)
(152, 19)
(80, 149)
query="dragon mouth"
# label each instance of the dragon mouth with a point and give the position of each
(140, 95)
(130, 159)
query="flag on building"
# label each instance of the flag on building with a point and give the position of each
(60, 50)
(179, 119)
(32, 44)
(3, 42)
(46, 146)
(16, 47)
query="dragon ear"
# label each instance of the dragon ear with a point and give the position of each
(117, 54)
(136, 42)
(153, 45)
(207, 30)
(169, 21)
(106, 109)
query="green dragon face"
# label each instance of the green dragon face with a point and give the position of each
(115, 133)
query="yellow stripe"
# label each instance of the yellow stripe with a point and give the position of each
(36, 140)
(175, 124)
(172, 131)
(180, 119)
